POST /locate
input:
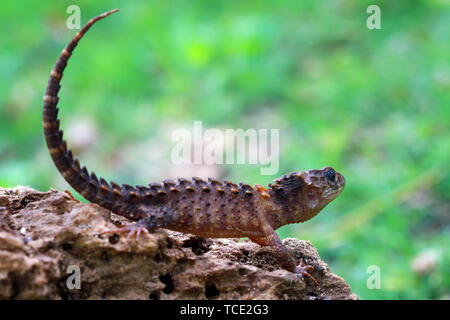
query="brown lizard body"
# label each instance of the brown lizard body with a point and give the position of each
(209, 208)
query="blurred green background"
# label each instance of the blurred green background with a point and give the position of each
(374, 104)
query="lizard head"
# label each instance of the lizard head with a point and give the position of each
(304, 194)
(323, 185)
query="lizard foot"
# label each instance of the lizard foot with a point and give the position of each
(305, 271)
(71, 196)
(133, 230)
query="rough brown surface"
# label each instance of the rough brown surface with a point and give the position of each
(43, 233)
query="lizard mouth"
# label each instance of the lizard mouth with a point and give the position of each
(340, 182)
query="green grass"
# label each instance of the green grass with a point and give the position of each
(374, 104)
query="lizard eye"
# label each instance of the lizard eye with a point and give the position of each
(330, 174)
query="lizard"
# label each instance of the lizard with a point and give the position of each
(209, 209)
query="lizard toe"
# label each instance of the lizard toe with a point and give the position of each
(133, 231)
(305, 271)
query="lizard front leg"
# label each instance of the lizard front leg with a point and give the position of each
(282, 255)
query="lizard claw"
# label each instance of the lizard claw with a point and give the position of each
(133, 230)
(305, 271)
(71, 196)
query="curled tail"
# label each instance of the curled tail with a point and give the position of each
(93, 189)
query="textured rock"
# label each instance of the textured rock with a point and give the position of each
(42, 234)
